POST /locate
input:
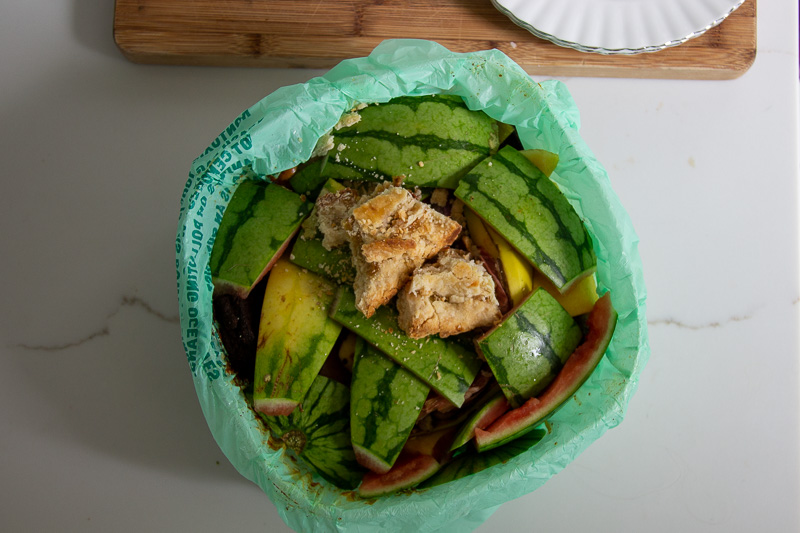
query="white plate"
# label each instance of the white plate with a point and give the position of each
(617, 26)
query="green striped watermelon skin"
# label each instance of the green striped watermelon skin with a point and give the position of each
(472, 462)
(602, 322)
(295, 337)
(528, 348)
(525, 207)
(319, 432)
(335, 265)
(256, 227)
(308, 251)
(385, 402)
(308, 179)
(448, 367)
(494, 406)
(393, 138)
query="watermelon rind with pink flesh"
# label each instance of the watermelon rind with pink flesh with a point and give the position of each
(580, 365)
(493, 409)
(407, 472)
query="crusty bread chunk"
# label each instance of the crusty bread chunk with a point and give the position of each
(333, 210)
(451, 296)
(391, 234)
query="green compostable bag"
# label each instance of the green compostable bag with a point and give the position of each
(281, 131)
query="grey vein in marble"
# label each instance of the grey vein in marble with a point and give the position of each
(127, 301)
(709, 325)
(683, 325)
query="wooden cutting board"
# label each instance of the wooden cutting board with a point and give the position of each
(320, 33)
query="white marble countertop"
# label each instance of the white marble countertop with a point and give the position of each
(100, 429)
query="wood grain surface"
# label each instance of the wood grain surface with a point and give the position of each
(319, 34)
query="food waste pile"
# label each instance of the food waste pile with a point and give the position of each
(408, 306)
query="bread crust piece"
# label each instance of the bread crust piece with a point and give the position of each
(391, 234)
(451, 296)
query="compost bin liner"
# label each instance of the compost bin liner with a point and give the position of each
(281, 131)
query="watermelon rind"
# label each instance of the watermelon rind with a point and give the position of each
(309, 252)
(447, 366)
(385, 403)
(528, 348)
(409, 471)
(295, 337)
(542, 159)
(580, 365)
(309, 179)
(258, 224)
(275, 406)
(335, 265)
(473, 462)
(523, 205)
(430, 140)
(494, 407)
(319, 433)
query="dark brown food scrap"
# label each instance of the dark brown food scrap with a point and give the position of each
(238, 320)
(439, 408)
(334, 368)
(442, 201)
(495, 269)
(286, 175)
